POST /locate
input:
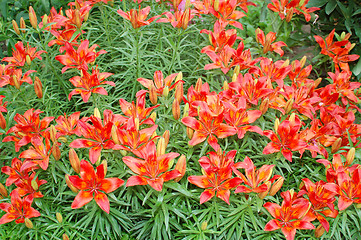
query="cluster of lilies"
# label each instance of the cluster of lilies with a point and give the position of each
(320, 120)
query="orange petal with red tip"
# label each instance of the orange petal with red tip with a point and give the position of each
(103, 202)
(81, 199)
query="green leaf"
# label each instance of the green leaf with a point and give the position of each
(357, 69)
(179, 188)
(316, 3)
(331, 5)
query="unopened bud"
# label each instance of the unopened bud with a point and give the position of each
(136, 123)
(289, 14)
(16, 27)
(38, 86)
(161, 147)
(28, 223)
(59, 217)
(264, 105)
(303, 61)
(225, 86)
(186, 110)
(204, 226)
(2, 121)
(234, 77)
(176, 109)
(153, 95)
(74, 160)
(276, 186)
(22, 24)
(188, 4)
(166, 136)
(45, 20)
(319, 231)
(358, 205)
(186, 17)
(153, 116)
(97, 113)
(350, 156)
(3, 191)
(63, 139)
(77, 19)
(105, 166)
(70, 185)
(216, 5)
(190, 133)
(262, 195)
(277, 123)
(55, 151)
(292, 118)
(28, 60)
(115, 135)
(178, 94)
(123, 153)
(34, 184)
(181, 167)
(289, 105)
(198, 86)
(336, 145)
(32, 17)
(317, 82)
(165, 91)
(53, 133)
(65, 237)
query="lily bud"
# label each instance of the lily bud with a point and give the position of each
(70, 185)
(165, 91)
(358, 205)
(161, 147)
(115, 135)
(292, 118)
(276, 186)
(86, 16)
(16, 27)
(216, 5)
(28, 223)
(97, 113)
(178, 94)
(166, 136)
(198, 86)
(53, 133)
(38, 86)
(186, 17)
(63, 139)
(186, 110)
(236, 70)
(136, 123)
(123, 153)
(105, 166)
(264, 105)
(204, 226)
(59, 217)
(153, 116)
(188, 4)
(176, 109)
(65, 237)
(303, 61)
(55, 151)
(289, 105)
(170, 164)
(262, 195)
(32, 17)
(350, 156)
(190, 133)
(22, 24)
(336, 145)
(319, 231)
(34, 184)
(45, 20)
(28, 60)
(153, 95)
(77, 19)
(3, 191)
(317, 82)
(277, 123)
(234, 77)
(225, 86)
(2, 121)
(289, 14)
(181, 167)
(292, 192)
(74, 160)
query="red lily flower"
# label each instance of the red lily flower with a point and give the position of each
(159, 82)
(27, 186)
(63, 36)
(20, 53)
(221, 60)
(239, 117)
(256, 181)
(18, 171)
(19, 209)
(343, 86)
(77, 14)
(2, 109)
(197, 93)
(227, 13)
(179, 19)
(266, 42)
(274, 71)
(301, 9)
(244, 4)
(298, 74)
(98, 136)
(350, 189)
(88, 84)
(54, 17)
(67, 125)
(208, 125)
(153, 170)
(92, 185)
(137, 17)
(79, 58)
(243, 59)
(39, 153)
(28, 126)
(286, 140)
(290, 216)
(15, 77)
(322, 196)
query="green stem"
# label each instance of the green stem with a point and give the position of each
(175, 51)
(138, 58)
(103, 12)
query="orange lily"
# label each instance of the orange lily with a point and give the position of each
(39, 153)
(20, 53)
(18, 171)
(137, 17)
(266, 42)
(159, 82)
(179, 19)
(92, 185)
(350, 189)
